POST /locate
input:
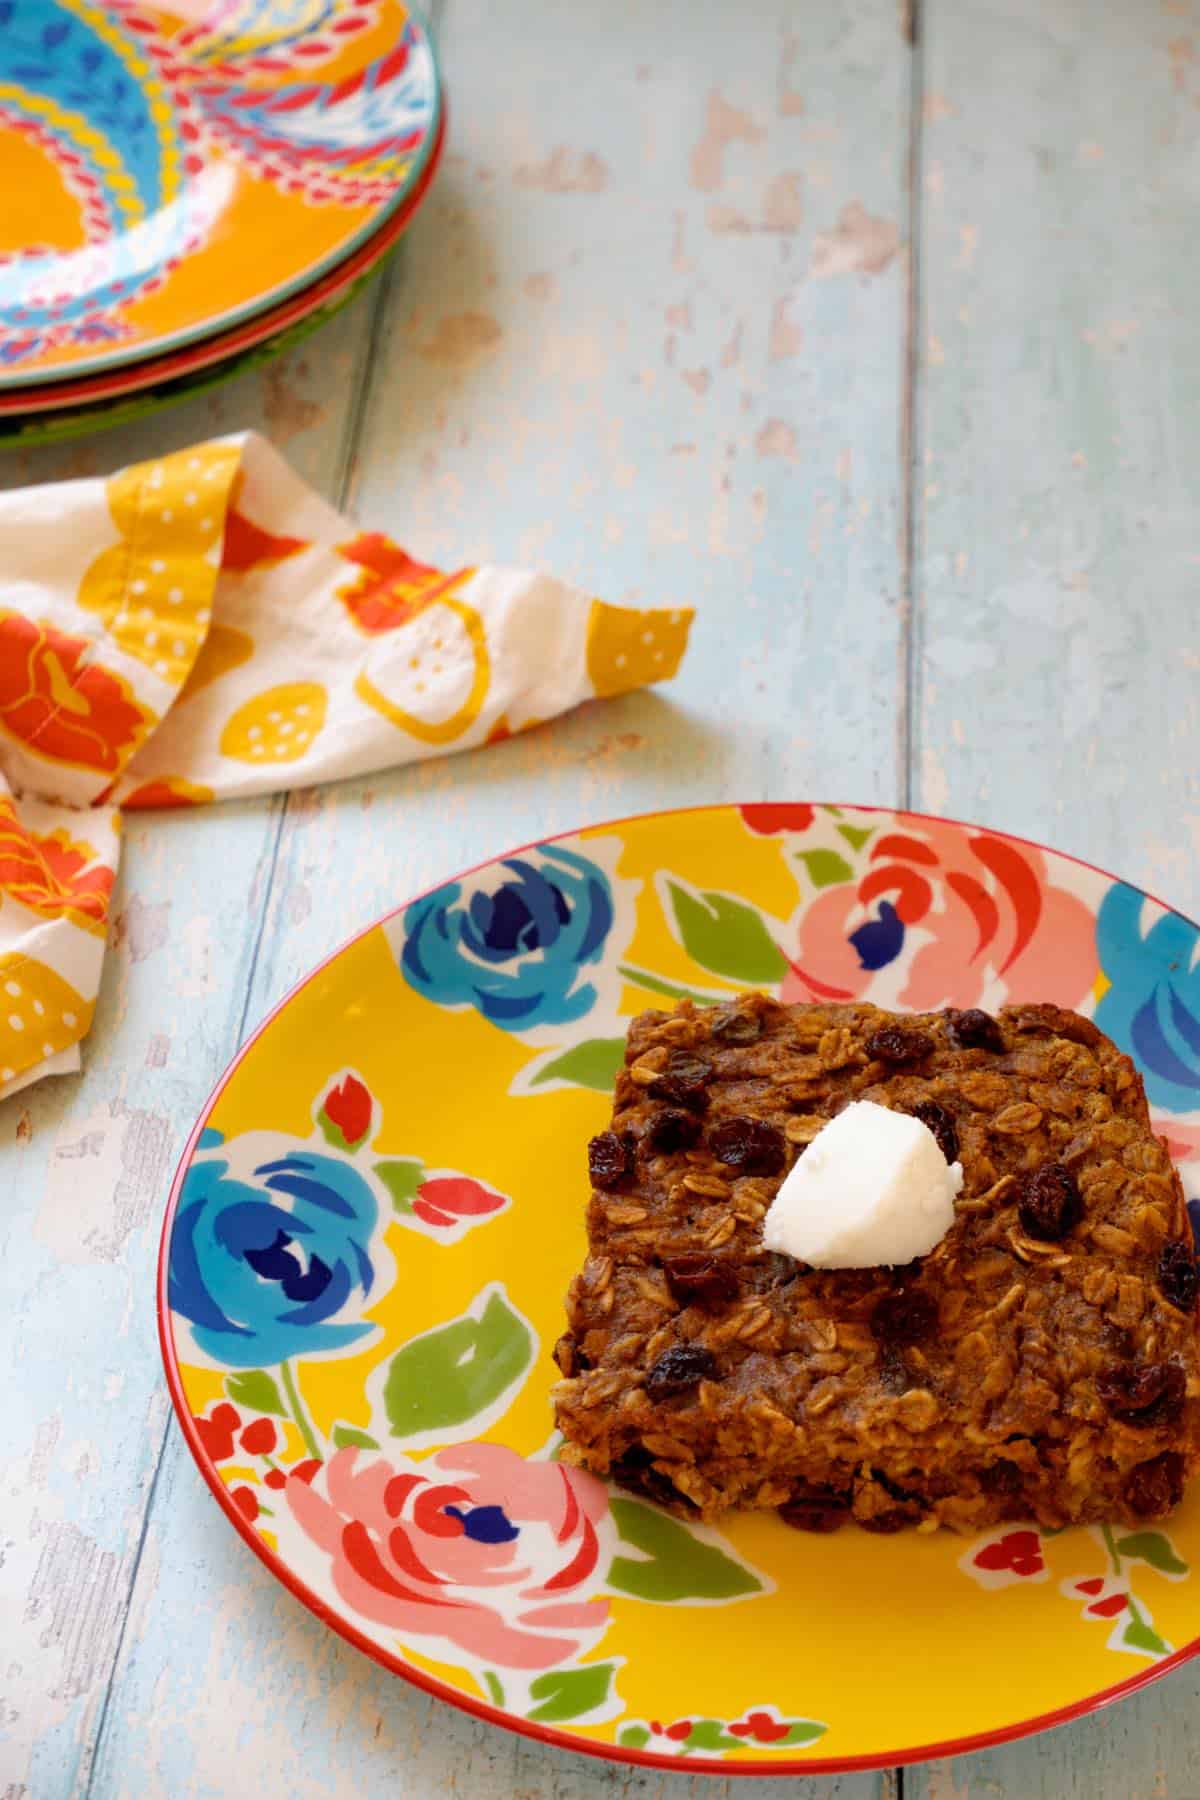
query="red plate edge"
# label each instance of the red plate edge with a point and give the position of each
(481, 1709)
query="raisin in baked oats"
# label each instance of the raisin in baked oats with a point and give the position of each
(1040, 1362)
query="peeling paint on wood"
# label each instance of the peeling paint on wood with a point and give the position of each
(723, 125)
(858, 244)
(1057, 510)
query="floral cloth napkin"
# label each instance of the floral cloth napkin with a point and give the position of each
(204, 625)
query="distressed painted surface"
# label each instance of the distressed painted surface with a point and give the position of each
(1057, 495)
(666, 360)
(84, 1166)
(1058, 492)
(636, 359)
(651, 331)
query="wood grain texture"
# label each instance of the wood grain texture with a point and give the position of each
(85, 1163)
(649, 332)
(606, 352)
(1059, 347)
(1056, 497)
(643, 355)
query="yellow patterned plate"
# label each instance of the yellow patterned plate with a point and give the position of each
(171, 171)
(374, 1222)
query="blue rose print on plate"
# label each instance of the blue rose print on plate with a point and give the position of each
(515, 952)
(1152, 1009)
(274, 1265)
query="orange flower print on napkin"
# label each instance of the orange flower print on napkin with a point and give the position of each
(55, 875)
(248, 546)
(392, 588)
(59, 704)
(167, 791)
(204, 626)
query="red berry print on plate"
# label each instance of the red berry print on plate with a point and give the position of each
(768, 820)
(1006, 1557)
(452, 1200)
(346, 1113)
(260, 1438)
(216, 1432)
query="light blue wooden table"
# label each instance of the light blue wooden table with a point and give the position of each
(872, 332)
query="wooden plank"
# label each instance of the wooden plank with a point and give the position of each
(627, 364)
(86, 1162)
(1057, 486)
(532, 401)
(1057, 479)
(609, 354)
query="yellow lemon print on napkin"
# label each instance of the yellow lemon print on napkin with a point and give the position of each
(224, 648)
(278, 726)
(437, 672)
(40, 1014)
(153, 589)
(626, 648)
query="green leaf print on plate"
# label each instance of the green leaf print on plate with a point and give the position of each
(1153, 1548)
(460, 1374)
(570, 1693)
(724, 935)
(592, 1064)
(402, 1177)
(1137, 1635)
(347, 1437)
(675, 1563)
(670, 990)
(257, 1390)
(826, 867)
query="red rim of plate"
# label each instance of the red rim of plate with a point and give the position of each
(61, 396)
(481, 1709)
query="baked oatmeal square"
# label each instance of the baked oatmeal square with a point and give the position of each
(1040, 1363)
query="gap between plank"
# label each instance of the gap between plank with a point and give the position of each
(910, 452)
(908, 747)
(379, 297)
(909, 665)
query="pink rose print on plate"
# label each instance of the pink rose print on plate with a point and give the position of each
(968, 912)
(476, 1546)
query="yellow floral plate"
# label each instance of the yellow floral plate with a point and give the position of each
(173, 170)
(375, 1219)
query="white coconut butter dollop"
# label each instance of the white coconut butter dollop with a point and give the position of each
(872, 1189)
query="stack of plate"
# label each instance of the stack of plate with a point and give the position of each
(187, 192)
